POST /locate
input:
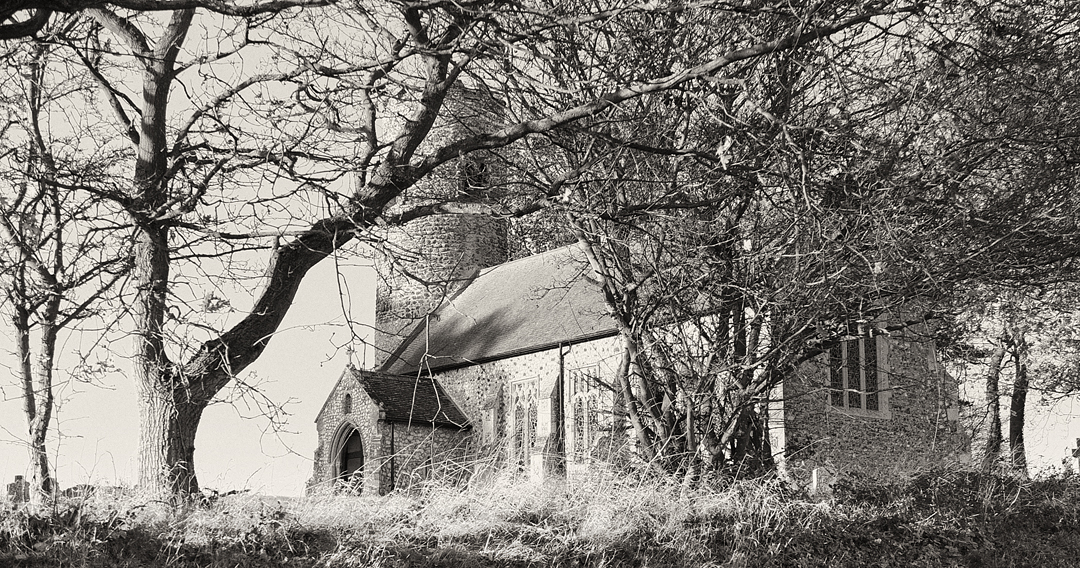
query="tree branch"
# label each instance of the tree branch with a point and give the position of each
(797, 38)
(113, 96)
(26, 28)
(123, 29)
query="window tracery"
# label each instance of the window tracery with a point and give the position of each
(523, 399)
(591, 408)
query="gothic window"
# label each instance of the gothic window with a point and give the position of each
(346, 404)
(520, 450)
(534, 417)
(593, 418)
(855, 376)
(591, 404)
(577, 439)
(526, 417)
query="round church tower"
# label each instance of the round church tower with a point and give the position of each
(430, 258)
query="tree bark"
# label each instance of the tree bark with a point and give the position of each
(1017, 403)
(37, 407)
(43, 485)
(168, 425)
(159, 436)
(168, 413)
(993, 409)
(37, 398)
(643, 433)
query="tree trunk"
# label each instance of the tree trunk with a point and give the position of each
(37, 398)
(167, 428)
(43, 486)
(166, 450)
(750, 449)
(168, 418)
(644, 435)
(993, 409)
(1017, 402)
(38, 380)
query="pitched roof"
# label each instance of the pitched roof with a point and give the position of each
(522, 306)
(415, 400)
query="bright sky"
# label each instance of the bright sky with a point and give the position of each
(234, 449)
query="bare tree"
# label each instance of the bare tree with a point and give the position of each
(1011, 341)
(58, 262)
(1022, 341)
(741, 228)
(340, 91)
(834, 209)
(1006, 98)
(25, 18)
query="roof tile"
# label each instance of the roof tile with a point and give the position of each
(415, 400)
(517, 307)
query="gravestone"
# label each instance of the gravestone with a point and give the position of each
(19, 491)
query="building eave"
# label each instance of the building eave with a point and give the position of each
(518, 352)
(435, 424)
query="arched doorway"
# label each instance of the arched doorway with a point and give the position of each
(351, 460)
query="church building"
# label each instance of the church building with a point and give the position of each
(516, 361)
(483, 356)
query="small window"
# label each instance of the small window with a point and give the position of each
(346, 404)
(855, 377)
(489, 425)
(474, 176)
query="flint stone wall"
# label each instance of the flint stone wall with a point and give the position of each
(919, 428)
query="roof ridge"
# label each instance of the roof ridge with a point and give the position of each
(524, 258)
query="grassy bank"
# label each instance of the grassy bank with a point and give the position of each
(940, 519)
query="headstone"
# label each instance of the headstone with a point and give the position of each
(821, 481)
(19, 492)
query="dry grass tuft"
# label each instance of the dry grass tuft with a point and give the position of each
(498, 518)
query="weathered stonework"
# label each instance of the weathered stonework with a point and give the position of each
(536, 389)
(334, 424)
(485, 393)
(418, 453)
(548, 412)
(916, 427)
(397, 452)
(428, 259)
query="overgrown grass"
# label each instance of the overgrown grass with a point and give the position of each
(945, 518)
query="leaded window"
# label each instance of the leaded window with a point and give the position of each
(523, 399)
(855, 375)
(591, 406)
